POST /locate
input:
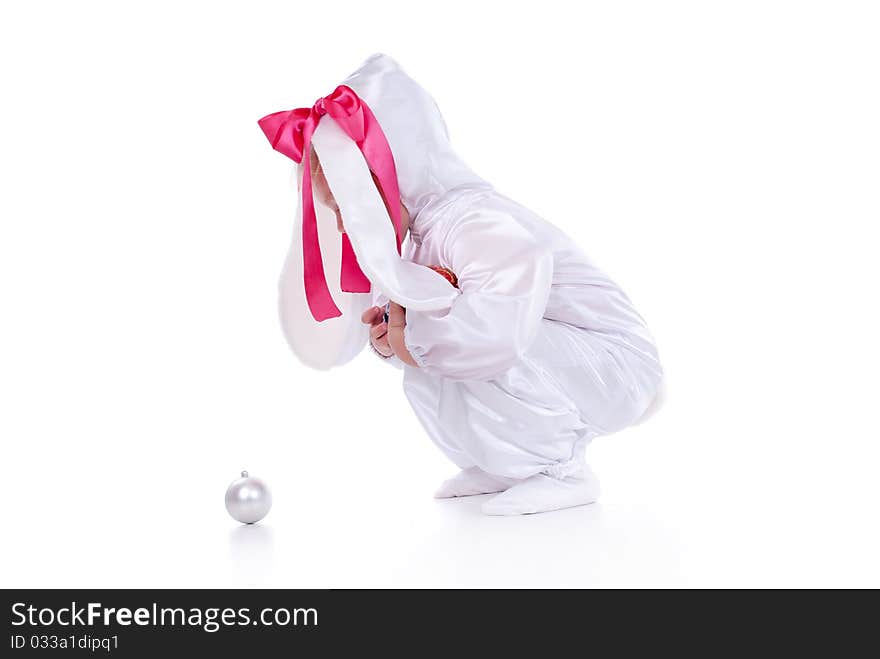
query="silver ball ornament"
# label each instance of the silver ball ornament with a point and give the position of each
(248, 499)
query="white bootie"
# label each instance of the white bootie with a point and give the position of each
(472, 481)
(542, 493)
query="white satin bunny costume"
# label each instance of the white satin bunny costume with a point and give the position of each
(535, 354)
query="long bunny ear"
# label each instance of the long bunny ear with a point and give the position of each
(335, 341)
(370, 229)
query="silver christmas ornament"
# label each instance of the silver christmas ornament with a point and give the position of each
(248, 499)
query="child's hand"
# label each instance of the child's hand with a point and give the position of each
(396, 325)
(375, 317)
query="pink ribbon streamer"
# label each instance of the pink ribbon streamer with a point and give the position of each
(290, 132)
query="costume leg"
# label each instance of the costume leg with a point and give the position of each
(498, 432)
(535, 419)
(425, 395)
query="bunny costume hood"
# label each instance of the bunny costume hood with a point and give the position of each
(423, 168)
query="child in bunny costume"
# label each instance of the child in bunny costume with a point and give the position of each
(516, 350)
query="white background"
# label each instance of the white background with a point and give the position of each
(720, 160)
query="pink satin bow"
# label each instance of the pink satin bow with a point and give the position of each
(290, 132)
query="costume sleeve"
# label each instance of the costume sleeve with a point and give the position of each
(504, 275)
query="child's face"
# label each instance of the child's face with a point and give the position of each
(321, 190)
